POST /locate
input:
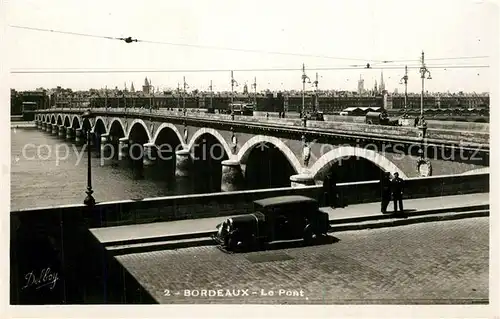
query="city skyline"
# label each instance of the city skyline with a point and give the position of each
(359, 26)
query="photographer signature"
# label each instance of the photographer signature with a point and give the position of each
(46, 279)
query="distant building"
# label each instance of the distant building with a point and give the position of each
(361, 86)
(147, 87)
(245, 89)
(382, 84)
(132, 89)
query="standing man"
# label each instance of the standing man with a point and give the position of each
(385, 189)
(326, 190)
(397, 192)
(333, 191)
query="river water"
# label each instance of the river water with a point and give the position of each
(49, 172)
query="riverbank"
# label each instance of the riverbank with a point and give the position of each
(22, 124)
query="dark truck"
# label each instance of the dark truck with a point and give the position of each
(380, 118)
(273, 219)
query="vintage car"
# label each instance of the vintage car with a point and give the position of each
(273, 219)
(315, 116)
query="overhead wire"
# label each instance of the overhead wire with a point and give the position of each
(129, 39)
(96, 71)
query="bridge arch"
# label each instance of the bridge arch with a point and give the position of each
(116, 121)
(53, 119)
(215, 134)
(59, 119)
(100, 126)
(75, 122)
(171, 127)
(345, 152)
(67, 122)
(102, 123)
(258, 140)
(139, 122)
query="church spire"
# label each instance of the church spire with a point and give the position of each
(382, 84)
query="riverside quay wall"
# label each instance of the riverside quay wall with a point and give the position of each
(55, 243)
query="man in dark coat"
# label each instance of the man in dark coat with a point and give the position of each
(397, 192)
(333, 191)
(326, 190)
(385, 189)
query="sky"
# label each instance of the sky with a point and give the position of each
(363, 31)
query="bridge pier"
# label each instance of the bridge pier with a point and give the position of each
(183, 163)
(106, 150)
(62, 131)
(123, 152)
(150, 161)
(184, 166)
(92, 141)
(301, 180)
(79, 137)
(69, 133)
(96, 144)
(54, 129)
(232, 176)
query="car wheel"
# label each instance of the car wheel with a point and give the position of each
(308, 235)
(234, 244)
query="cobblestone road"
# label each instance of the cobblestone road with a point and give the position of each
(439, 262)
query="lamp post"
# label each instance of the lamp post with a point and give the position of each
(404, 80)
(423, 73)
(89, 200)
(184, 86)
(304, 78)
(316, 101)
(211, 96)
(106, 99)
(254, 86)
(233, 83)
(178, 96)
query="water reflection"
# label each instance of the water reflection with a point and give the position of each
(47, 171)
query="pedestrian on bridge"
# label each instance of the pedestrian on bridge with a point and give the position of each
(385, 188)
(397, 192)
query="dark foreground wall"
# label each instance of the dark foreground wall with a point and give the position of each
(55, 242)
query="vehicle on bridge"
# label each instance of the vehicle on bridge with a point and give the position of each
(315, 116)
(380, 118)
(273, 219)
(241, 108)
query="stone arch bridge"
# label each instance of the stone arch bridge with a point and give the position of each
(310, 151)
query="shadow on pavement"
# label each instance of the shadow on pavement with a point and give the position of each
(278, 245)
